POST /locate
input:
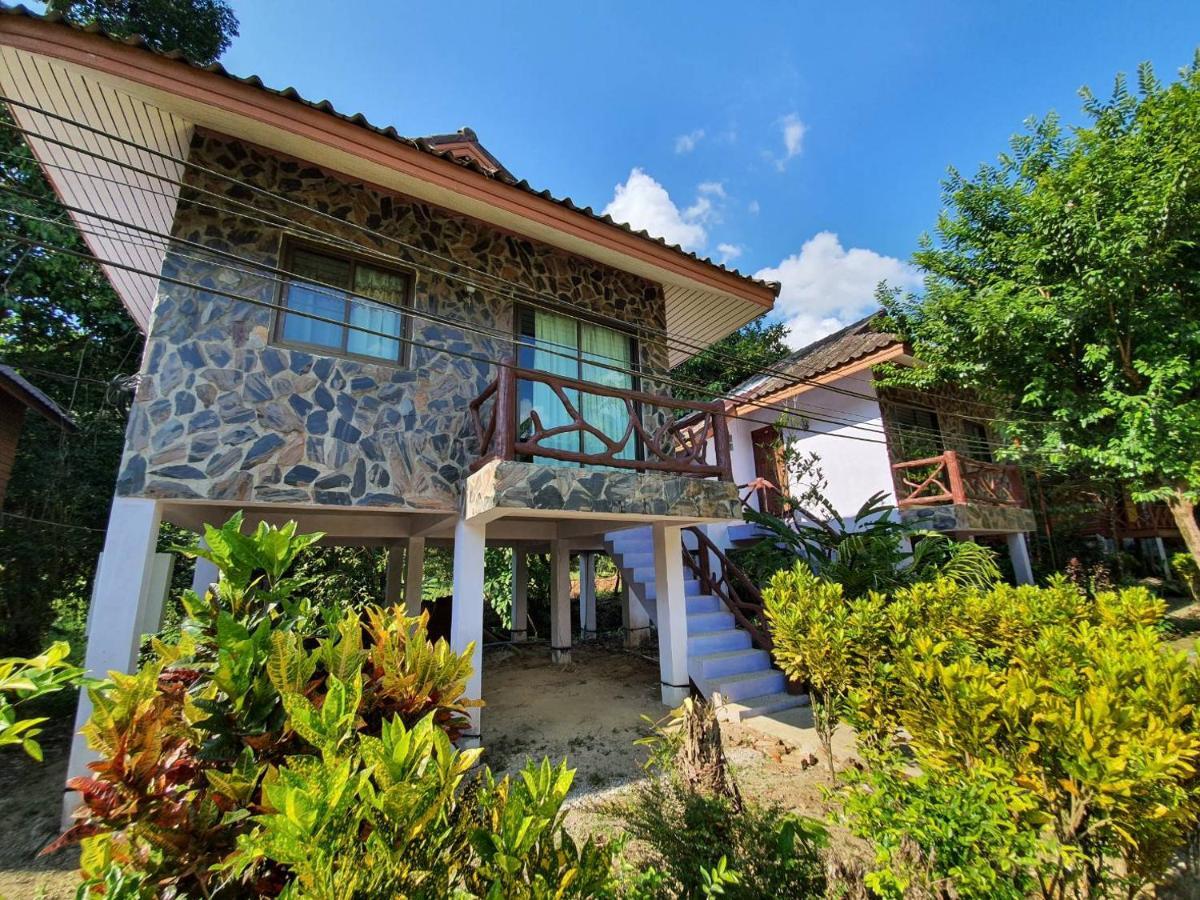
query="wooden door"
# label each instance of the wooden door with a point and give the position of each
(769, 463)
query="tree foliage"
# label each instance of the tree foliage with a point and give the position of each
(1066, 278)
(732, 360)
(200, 29)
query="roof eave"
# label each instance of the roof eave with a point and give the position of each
(249, 101)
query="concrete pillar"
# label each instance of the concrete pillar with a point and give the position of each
(161, 571)
(121, 595)
(520, 594)
(466, 618)
(414, 575)
(671, 613)
(1018, 552)
(205, 574)
(1164, 561)
(560, 601)
(634, 618)
(393, 586)
(587, 596)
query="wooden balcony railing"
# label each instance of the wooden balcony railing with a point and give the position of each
(951, 478)
(678, 448)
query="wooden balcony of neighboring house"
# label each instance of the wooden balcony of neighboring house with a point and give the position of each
(597, 446)
(1115, 517)
(985, 496)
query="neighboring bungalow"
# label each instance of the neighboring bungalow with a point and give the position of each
(932, 454)
(390, 340)
(16, 396)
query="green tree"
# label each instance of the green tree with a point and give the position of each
(733, 359)
(1066, 278)
(201, 29)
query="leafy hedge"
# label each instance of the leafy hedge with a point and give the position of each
(1021, 740)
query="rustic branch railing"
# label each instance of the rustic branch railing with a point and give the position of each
(678, 447)
(739, 594)
(952, 478)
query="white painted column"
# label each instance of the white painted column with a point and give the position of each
(560, 601)
(1164, 561)
(520, 594)
(1018, 552)
(466, 617)
(672, 614)
(393, 587)
(587, 596)
(205, 574)
(121, 593)
(161, 570)
(634, 618)
(414, 575)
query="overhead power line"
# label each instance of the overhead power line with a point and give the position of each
(527, 295)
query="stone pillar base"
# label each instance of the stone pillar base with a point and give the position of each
(517, 635)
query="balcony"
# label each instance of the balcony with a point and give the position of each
(677, 448)
(952, 492)
(587, 448)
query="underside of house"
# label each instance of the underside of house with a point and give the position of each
(389, 340)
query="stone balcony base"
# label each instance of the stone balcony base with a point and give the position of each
(509, 488)
(976, 518)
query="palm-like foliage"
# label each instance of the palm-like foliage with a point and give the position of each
(868, 551)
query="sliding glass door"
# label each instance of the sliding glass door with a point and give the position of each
(581, 351)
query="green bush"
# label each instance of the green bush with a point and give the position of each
(1065, 707)
(282, 748)
(703, 840)
(773, 853)
(26, 680)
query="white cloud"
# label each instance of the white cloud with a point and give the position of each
(793, 131)
(826, 286)
(686, 143)
(753, 208)
(715, 188)
(643, 203)
(729, 252)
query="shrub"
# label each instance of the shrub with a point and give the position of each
(702, 838)
(278, 748)
(1071, 698)
(25, 680)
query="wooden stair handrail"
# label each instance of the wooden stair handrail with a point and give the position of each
(742, 609)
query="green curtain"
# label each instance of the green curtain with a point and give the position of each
(555, 347)
(609, 414)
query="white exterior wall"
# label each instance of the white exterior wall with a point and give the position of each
(851, 445)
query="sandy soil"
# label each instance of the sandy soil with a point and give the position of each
(589, 710)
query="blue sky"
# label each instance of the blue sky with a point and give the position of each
(803, 141)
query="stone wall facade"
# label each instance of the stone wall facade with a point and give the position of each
(223, 413)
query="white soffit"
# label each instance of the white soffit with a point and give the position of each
(163, 122)
(85, 180)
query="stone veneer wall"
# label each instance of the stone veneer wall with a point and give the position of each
(223, 414)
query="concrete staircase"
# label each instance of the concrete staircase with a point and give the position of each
(722, 663)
